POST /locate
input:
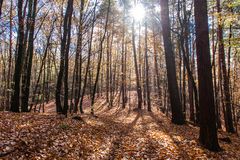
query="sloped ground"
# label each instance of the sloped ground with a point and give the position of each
(112, 134)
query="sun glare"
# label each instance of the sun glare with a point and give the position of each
(138, 12)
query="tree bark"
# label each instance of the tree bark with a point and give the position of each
(63, 71)
(147, 70)
(177, 114)
(28, 62)
(88, 58)
(15, 104)
(139, 90)
(100, 57)
(227, 98)
(208, 131)
(78, 60)
(123, 76)
(42, 65)
(156, 66)
(10, 56)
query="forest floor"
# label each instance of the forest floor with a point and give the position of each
(114, 133)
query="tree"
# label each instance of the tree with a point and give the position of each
(100, 57)
(208, 131)
(177, 114)
(15, 104)
(156, 64)
(10, 56)
(65, 44)
(139, 90)
(42, 64)
(147, 71)
(28, 58)
(227, 98)
(123, 74)
(88, 57)
(78, 59)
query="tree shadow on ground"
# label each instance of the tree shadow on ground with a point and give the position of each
(172, 131)
(117, 142)
(150, 147)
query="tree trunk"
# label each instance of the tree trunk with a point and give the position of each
(78, 61)
(107, 68)
(65, 106)
(227, 98)
(100, 57)
(147, 74)
(208, 131)
(139, 90)
(215, 86)
(41, 66)
(63, 72)
(177, 114)
(88, 58)
(156, 66)
(28, 62)
(19, 58)
(123, 88)
(10, 56)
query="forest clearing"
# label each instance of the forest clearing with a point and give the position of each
(119, 79)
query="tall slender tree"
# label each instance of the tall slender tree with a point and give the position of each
(177, 114)
(78, 59)
(10, 55)
(147, 69)
(156, 66)
(139, 89)
(88, 57)
(100, 57)
(63, 71)
(208, 131)
(227, 96)
(15, 101)
(123, 76)
(29, 56)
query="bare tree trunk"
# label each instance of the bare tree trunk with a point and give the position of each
(156, 66)
(78, 61)
(177, 114)
(88, 59)
(147, 74)
(215, 86)
(123, 59)
(111, 87)
(65, 106)
(107, 68)
(10, 56)
(208, 131)
(100, 58)
(28, 63)
(63, 72)
(3, 79)
(15, 104)
(140, 59)
(41, 66)
(139, 90)
(229, 119)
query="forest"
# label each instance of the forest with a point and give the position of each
(119, 79)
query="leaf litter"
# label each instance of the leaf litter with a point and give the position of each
(114, 134)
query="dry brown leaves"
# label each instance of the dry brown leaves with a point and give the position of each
(114, 134)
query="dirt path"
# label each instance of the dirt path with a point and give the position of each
(113, 134)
